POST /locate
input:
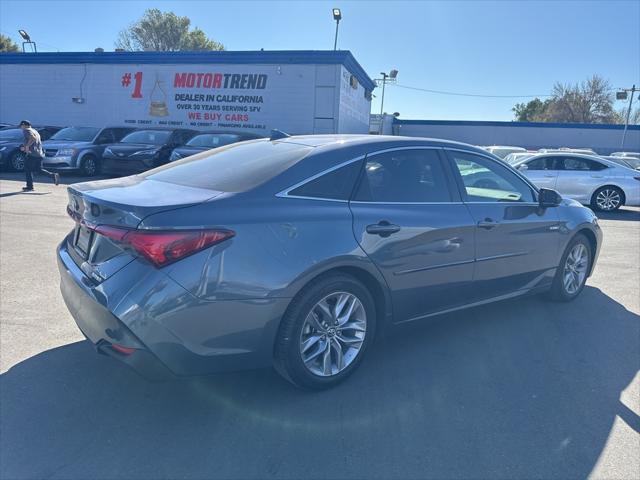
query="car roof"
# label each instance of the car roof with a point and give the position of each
(328, 142)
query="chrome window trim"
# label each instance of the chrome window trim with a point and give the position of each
(405, 203)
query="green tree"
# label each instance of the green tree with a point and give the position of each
(532, 111)
(8, 45)
(166, 32)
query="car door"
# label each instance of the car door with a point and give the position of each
(516, 240)
(542, 171)
(409, 219)
(580, 177)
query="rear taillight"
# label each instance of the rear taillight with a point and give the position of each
(163, 247)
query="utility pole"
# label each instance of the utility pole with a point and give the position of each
(386, 77)
(626, 123)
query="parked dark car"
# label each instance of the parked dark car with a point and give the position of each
(10, 141)
(142, 150)
(208, 140)
(295, 252)
(6, 125)
(79, 149)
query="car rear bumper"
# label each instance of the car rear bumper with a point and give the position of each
(170, 331)
(99, 325)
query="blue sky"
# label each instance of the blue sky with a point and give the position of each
(477, 47)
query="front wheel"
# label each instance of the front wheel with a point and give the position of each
(607, 199)
(325, 332)
(573, 270)
(17, 161)
(89, 166)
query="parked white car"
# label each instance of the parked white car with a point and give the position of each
(631, 162)
(586, 151)
(591, 180)
(626, 154)
(502, 151)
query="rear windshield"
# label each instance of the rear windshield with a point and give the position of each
(213, 140)
(233, 168)
(76, 134)
(151, 137)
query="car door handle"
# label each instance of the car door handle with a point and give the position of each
(382, 228)
(487, 223)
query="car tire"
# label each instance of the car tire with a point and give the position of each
(17, 160)
(307, 331)
(607, 199)
(573, 270)
(89, 166)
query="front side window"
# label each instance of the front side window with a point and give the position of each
(486, 181)
(404, 176)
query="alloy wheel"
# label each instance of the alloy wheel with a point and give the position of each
(575, 268)
(89, 166)
(333, 334)
(608, 199)
(17, 162)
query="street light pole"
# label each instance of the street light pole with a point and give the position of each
(337, 16)
(626, 123)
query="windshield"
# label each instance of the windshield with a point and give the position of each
(151, 137)
(233, 168)
(213, 140)
(76, 134)
(632, 162)
(11, 135)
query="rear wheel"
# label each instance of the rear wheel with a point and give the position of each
(607, 199)
(573, 270)
(325, 332)
(89, 166)
(17, 161)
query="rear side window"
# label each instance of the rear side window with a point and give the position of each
(335, 185)
(584, 164)
(234, 168)
(404, 176)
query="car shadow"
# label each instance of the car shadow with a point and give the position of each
(520, 389)
(65, 179)
(624, 214)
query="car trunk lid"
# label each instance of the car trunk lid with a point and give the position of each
(122, 203)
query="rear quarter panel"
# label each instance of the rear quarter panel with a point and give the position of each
(279, 246)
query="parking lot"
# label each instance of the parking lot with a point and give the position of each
(521, 389)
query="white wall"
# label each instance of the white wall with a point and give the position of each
(296, 99)
(603, 140)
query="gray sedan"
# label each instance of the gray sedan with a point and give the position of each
(296, 252)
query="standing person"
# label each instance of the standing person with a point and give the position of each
(34, 155)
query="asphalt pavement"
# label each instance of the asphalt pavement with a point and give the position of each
(521, 389)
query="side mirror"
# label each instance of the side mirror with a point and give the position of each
(548, 198)
(522, 167)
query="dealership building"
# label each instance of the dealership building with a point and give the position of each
(298, 92)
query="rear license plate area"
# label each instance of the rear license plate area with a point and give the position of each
(83, 239)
